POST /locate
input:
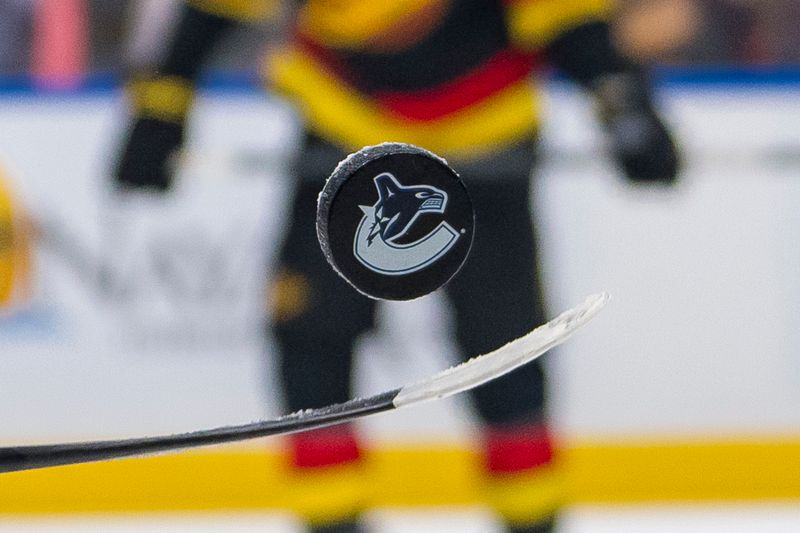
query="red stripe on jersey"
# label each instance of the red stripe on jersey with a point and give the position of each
(503, 69)
(511, 450)
(324, 56)
(324, 447)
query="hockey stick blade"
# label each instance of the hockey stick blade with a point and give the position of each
(447, 383)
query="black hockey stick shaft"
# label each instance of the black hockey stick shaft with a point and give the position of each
(14, 459)
(465, 376)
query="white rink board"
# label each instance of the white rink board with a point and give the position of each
(700, 337)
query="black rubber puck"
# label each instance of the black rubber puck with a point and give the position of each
(395, 221)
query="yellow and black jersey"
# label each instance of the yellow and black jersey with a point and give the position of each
(462, 90)
(451, 75)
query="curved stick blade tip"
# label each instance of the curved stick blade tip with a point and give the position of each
(494, 364)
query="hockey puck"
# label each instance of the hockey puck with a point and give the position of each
(395, 221)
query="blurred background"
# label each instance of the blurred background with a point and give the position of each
(674, 32)
(678, 408)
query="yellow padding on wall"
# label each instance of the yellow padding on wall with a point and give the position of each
(235, 478)
(713, 470)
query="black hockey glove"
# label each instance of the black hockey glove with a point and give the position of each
(149, 154)
(640, 141)
(156, 134)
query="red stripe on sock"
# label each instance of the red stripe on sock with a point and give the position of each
(517, 449)
(324, 447)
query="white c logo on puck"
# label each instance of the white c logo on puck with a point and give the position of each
(390, 218)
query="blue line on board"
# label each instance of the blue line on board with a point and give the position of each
(100, 84)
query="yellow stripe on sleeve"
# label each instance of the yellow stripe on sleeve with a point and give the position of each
(242, 10)
(534, 23)
(165, 98)
(352, 23)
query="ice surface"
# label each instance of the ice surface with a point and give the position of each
(718, 518)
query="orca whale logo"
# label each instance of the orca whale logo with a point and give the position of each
(391, 217)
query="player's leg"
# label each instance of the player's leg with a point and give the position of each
(497, 298)
(316, 319)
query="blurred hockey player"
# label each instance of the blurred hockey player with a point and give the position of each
(454, 77)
